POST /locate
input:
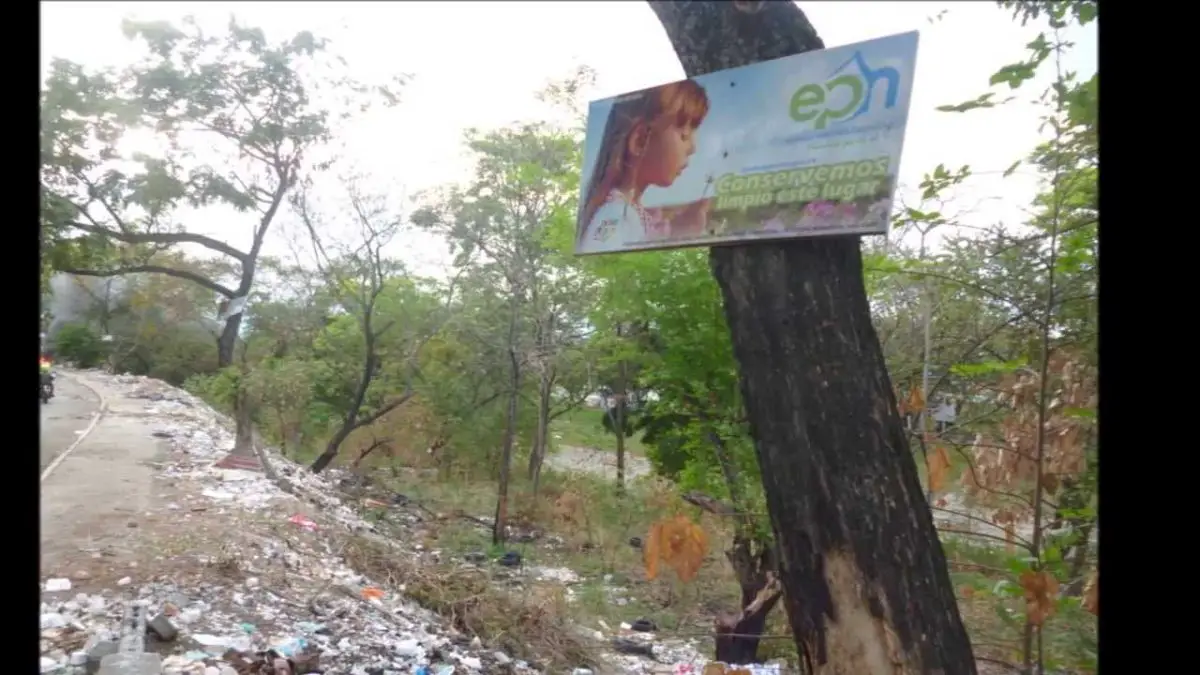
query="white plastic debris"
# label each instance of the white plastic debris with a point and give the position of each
(56, 585)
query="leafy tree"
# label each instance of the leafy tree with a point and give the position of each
(109, 211)
(524, 185)
(380, 302)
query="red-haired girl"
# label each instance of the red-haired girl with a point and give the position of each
(648, 139)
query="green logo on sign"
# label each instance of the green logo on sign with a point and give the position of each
(845, 95)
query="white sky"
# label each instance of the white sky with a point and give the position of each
(479, 64)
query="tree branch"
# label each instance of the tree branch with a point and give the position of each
(156, 269)
(163, 238)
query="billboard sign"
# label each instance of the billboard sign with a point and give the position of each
(806, 145)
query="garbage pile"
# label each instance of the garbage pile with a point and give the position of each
(290, 605)
(249, 630)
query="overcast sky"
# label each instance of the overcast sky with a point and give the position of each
(479, 64)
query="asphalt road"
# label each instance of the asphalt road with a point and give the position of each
(65, 417)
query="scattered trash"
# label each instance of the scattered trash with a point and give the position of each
(219, 495)
(627, 646)
(635, 542)
(124, 581)
(304, 522)
(161, 627)
(510, 559)
(56, 585)
(643, 626)
(371, 593)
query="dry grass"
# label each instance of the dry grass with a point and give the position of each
(534, 626)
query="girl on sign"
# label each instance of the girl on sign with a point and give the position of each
(648, 139)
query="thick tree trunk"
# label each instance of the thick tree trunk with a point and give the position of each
(866, 586)
(243, 444)
(228, 340)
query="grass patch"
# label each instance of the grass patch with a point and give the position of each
(530, 624)
(583, 427)
(587, 528)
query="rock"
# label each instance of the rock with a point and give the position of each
(229, 670)
(82, 575)
(124, 581)
(162, 628)
(212, 670)
(501, 658)
(47, 664)
(581, 671)
(79, 658)
(252, 582)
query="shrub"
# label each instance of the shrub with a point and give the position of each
(79, 344)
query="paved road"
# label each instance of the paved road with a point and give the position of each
(70, 411)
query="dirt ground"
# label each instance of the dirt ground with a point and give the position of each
(603, 463)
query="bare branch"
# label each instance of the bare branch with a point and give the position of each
(155, 269)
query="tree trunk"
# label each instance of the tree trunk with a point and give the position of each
(622, 408)
(500, 523)
(737, 637)
(243, 445)
(228, 340)
(331, 451)
(866, 587)
(541, 437)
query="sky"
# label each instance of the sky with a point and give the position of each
(480, 64)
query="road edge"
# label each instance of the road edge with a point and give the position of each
(92, 425)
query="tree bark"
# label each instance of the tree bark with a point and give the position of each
(622, 409)
(541, 437)
(500, 522)
(866, 587)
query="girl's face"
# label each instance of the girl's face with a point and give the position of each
(666, 154)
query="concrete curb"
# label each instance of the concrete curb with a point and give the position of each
(95, 420)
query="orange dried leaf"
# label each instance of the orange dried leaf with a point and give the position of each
(371, 593)
(967, 592)
(1091, 594)
(916, 400)
(651, 550)
(714, 668)
(1041, 592)
(679, 543)
(938, 465)
(1050, 483)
